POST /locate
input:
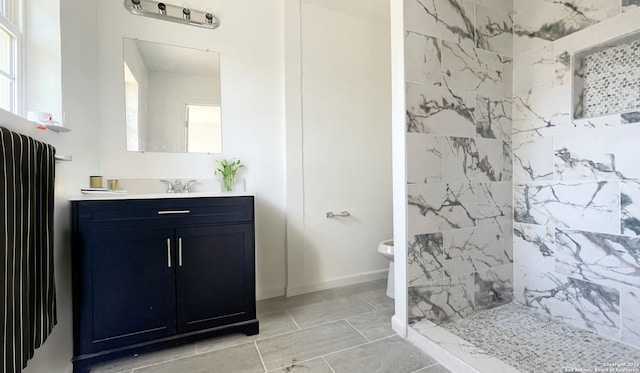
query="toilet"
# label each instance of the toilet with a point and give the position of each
(386, 249)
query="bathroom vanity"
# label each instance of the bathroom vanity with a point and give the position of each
(153, 272)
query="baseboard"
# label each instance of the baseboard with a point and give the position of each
(399, 326)
(298, 290)
(269, 293)
(338, 282)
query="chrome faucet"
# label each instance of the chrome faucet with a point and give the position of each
(177, 186)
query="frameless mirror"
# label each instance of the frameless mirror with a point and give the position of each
(172, 97)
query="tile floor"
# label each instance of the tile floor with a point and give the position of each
(346, 329)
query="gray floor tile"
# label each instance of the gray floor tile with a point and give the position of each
(435, 368)
(282, 303)
(131, 362)
(272, 323)
(377, 298)
(374, 325)
(332, 310)
(317, 365)
(348, 291)
(389, 355)
(382, 282)
(238, 359)
(286, 349)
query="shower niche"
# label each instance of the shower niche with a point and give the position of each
(606, 79)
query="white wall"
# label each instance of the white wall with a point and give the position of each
(61, 78)
(250, 43)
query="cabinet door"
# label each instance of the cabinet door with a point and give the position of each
(132, 286)
(215, 276)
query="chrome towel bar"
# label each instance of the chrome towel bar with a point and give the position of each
(343, 214)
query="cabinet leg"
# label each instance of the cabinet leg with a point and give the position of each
(251, 329)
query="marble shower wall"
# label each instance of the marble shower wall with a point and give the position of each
(459, 160)
(576, 231)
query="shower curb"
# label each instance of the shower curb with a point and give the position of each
(453, 352)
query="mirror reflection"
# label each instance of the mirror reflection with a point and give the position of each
(172, 97)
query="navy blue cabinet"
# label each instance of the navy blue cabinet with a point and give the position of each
(149, 274)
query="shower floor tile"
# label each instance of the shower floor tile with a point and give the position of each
(531, 341)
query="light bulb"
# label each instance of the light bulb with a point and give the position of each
(209, 16)
(186, 11)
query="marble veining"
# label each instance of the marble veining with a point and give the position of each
(605, 259)
(424, 158)
(579, 303)
(562, 68)
(588, 206)
(507, 161)
(494, 203)
(534, 70)
(472, 160)
(507, 77)
(442, 301)
(494, 30)
(493, 117)
(425, 258)
(541, 112)
(533, 245)
(630, 304)
(630, 208)
(571, 166)
(440, 207)
(440, 111)
(423, 56)
(451, 20)
(532, 158)
(494, 287)
(471, 69)
(632, 117)
(556, 19)
(578, 93)
(597, 122)
(475, 249)
(598, 154)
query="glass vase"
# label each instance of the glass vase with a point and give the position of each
(228, 182)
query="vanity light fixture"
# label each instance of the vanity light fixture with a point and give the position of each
(168, 12)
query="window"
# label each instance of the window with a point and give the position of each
(203, 129)
(131, 97)
(10, 55)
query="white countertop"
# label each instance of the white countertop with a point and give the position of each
(121, 196)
